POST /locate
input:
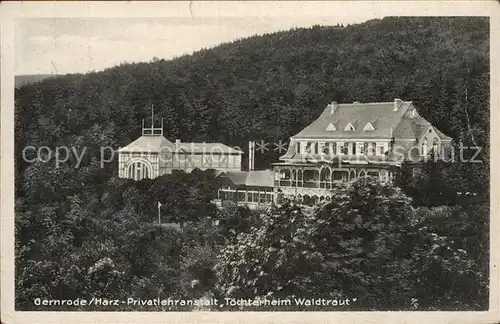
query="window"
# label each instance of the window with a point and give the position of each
(303, 147)
(381, 150)
(337, 175)
(364, 149)
(298, 148)
(308, 148)
(325, 175)
(285, 174)
(435, 145)
(326, 149)
(321, 147)
(138, 171)
(345, 148)
(423, 148)
(349, 127)
(353, 145)
(371, 149)
(331, 128)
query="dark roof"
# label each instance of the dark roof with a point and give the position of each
(441, 135)
(237, 177)
(207, 147)
(148, 143)
(156, 144)
(388, 123)
(260, 178)
(381, 114)
(411, 128)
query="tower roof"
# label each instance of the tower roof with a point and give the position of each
(148, 144)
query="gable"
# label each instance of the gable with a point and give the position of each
(349, 127)
(148, 144)
(331, 128)
(369, 127)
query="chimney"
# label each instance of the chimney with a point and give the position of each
(397, 104)
(251, 155)
(177, 145)
(333, 107)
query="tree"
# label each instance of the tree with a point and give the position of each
(451, 256)
(362, 235)
(272, 260)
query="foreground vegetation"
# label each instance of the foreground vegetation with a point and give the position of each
(368, 243)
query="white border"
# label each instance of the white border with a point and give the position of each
(12, 10)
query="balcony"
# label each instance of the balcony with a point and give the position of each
(311, 184)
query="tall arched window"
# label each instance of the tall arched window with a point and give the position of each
(423, 150)
(325, 174)
(435, 145)
(138, 171)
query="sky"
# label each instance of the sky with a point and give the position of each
(79, 45)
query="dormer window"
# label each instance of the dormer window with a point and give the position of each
(369, 127)
(349, 128)
(331, 128)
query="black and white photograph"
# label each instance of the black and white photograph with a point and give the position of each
(307, 161)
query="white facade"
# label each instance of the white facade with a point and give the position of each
(152, 155)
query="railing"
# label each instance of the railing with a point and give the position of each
(311, 184)
(325, 184)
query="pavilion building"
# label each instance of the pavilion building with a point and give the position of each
(152, 155)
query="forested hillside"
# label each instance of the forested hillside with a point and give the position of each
(269, 87)
(83, 232)
(21, 80)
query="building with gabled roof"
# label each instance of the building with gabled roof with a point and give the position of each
(253, 188)
(152, 155)
(348, 141)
